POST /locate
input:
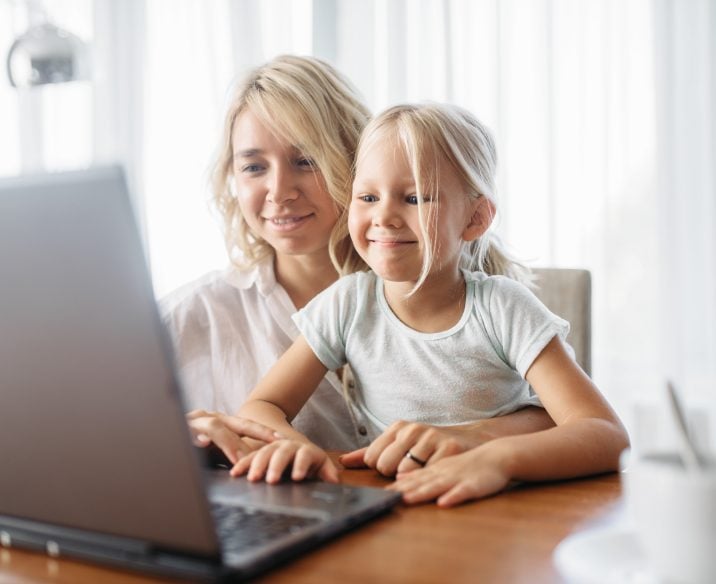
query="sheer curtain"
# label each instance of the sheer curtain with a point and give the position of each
(603, 114)
(602, 111)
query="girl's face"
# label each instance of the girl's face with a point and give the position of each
(383, 215)
(281, 193)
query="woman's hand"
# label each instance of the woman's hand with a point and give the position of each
(429, 444)
(473, 474)
(228, 433)
(271, 461)
(388, 453)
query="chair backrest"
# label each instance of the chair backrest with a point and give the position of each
(568, 293)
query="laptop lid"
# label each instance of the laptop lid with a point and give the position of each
(95, 455)
(89, 407)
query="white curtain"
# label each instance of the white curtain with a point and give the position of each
(603, 114)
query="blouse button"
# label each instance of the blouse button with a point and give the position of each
(362, 430)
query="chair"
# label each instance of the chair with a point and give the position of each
(568, 293)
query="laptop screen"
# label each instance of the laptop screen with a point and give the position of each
(90, 412)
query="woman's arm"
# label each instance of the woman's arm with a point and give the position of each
(587, 439)
(387, 453)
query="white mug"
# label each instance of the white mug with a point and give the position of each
(674, 514)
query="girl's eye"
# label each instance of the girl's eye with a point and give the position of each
(413, 199)
(368, 198)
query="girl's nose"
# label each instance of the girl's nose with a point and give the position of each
(282, 187)
(386, 214)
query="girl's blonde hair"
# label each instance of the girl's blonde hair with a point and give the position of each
(307, 103)
(429, 133)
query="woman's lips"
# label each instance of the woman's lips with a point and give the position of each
(287, 223)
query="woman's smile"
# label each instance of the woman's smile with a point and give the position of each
(286, 223)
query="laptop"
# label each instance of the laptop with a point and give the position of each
(96, 460)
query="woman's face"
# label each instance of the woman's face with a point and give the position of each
(281, 193)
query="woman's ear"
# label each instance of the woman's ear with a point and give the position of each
(483, 212)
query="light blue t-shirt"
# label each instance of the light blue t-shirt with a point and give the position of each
(472, 371)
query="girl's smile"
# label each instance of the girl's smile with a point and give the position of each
(384, 216)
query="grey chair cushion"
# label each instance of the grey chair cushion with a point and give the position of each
(568, 293)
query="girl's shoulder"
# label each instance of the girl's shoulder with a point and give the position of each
(355, 282)
(501, 285)
(501, 294)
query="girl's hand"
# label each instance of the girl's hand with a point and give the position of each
(228, 433)
(388, 453)
(474, 474)
(307, 461)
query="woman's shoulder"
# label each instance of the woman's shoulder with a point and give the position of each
(211, 291)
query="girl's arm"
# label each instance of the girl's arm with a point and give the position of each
(274, 402)
(587, 439)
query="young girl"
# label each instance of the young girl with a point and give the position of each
(431, 337)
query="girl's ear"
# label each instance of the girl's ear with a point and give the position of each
(483, 212)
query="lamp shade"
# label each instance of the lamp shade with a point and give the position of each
(47, 54)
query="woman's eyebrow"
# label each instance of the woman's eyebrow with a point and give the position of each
(248, 153)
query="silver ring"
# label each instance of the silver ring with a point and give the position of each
(410, 456)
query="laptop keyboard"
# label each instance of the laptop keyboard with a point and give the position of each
(241, 528)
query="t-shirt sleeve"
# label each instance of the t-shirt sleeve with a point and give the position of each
(324, 321)
(523, 326)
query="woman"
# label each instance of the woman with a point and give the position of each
(281, 181)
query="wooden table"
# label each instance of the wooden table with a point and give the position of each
(503, 539)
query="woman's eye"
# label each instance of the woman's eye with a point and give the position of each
(368, 198)
(251, 168)
(306, 162)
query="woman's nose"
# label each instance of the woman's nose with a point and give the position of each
(282, 187)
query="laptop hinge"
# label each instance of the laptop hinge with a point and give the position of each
(58, 541)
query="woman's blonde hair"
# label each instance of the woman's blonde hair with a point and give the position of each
(429, 133)
(307, 103)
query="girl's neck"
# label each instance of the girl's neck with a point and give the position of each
(436, 306)
(304, 276)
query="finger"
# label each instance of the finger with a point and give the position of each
(420, 489)
(201, 439)
(242, 465)
(418, 455)
(260, 462)
(447, 447)
(395, 457)
(456, 495)
(193, 414)
(376, 448)
(305, 460)
(210, 429)
(328, 472)
(246, 427)
(283, 455)
(354, 459)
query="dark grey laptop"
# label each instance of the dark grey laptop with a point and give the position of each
(96, 461)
